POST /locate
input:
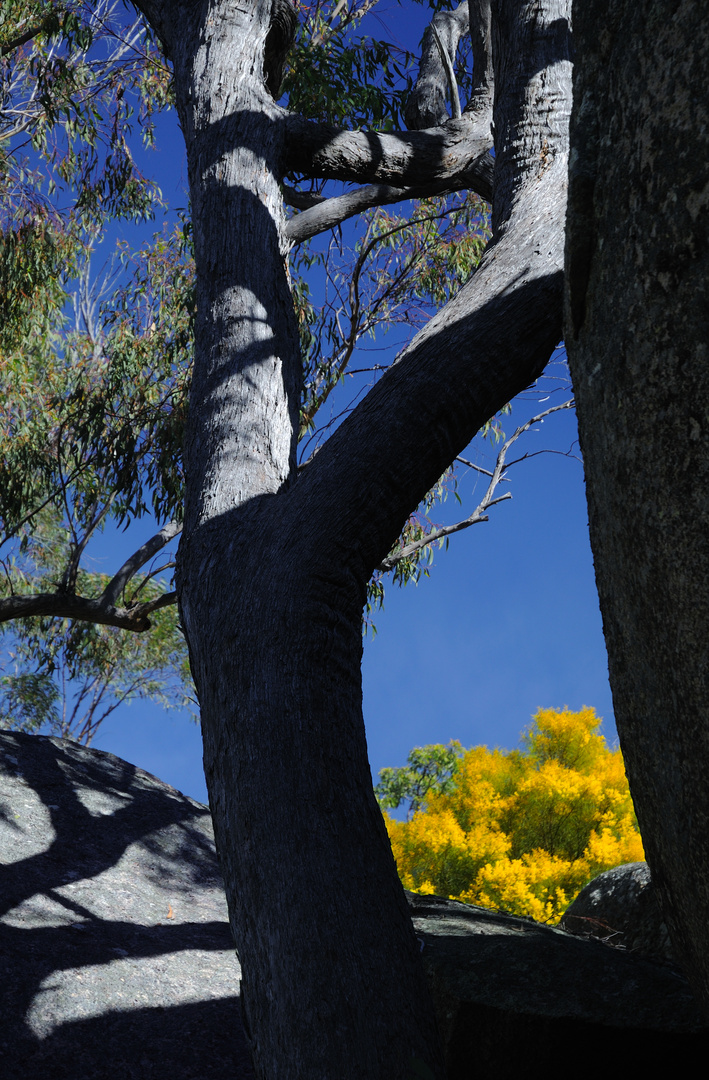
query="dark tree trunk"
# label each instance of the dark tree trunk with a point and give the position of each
(637, 336)
(274, 563)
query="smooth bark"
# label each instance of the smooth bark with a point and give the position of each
(426, 106)
(274, 562)
(405, 158)
(637, 336)
(328, 213)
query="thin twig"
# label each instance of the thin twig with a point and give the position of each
(488, 500)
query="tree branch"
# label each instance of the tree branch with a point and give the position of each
(301, 200)
(45, 25)
(426, 107)
(66, 606)
(489, 342)
(450, 74)
(130, 567)
(327, 213)
(451, 156)
(404, 159)
(488, 500)
(102, 609)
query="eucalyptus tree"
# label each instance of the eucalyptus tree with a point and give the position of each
(276, 554)
(637, 331)
(274, 559)
(92, 409)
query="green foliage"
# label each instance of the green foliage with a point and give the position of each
(338, 76)
(430, 771)
(92, 402)
(335, 74)
(68, 676)
(76, 79)
(94, 413)
(91, 409)
(28, 701)
(94, 371)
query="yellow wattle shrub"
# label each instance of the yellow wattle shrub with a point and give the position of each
(524, 830)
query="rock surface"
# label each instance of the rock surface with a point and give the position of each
(116, 957)
(515, 998)
(621, 907)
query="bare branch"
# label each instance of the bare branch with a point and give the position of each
(426, 106)
(488, 500)
(301, 200)
(68, 582)
(402, 159)
(327, 213)
(67, 606)
(478, 468)
(102, 609)
(130, 567)
(450, 74)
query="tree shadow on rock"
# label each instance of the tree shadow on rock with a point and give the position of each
(115, 948)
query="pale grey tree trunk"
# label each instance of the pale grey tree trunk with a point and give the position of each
(274, 562)
(638, 340)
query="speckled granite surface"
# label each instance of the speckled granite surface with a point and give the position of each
(116, 958)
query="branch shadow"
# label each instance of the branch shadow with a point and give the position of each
(116, 956)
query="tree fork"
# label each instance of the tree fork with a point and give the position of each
(273, 564)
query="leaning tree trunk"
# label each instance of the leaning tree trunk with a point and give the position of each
(637, 335)
(274, 562)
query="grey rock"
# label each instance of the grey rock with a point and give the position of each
(621, 907)
(515, 998)
(116, 959)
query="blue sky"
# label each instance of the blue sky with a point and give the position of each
(507, 622)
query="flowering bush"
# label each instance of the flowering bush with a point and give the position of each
(523, 830)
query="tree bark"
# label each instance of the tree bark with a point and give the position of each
(274, 563)
(637, 333)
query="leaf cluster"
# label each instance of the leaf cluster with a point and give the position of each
(524, 830)
(75, 80)
(92, 414)
(338, 75)
(66, 676)
(430, 771)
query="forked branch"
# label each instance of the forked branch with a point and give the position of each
(489, 499)
(453, 155)
(327, 213)
(102, 609)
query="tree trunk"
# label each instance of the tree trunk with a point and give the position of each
(274, 562)
(637, 333)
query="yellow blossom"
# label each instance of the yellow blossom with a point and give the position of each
(524, 830)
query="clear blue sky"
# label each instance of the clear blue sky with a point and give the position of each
(508, 621)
